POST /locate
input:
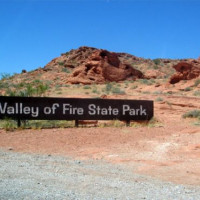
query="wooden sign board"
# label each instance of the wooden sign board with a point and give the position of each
(45, 108)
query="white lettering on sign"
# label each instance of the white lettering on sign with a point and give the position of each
(132, 111)
(18, 108)
(97, 110)
(69, 109)
(51, 110)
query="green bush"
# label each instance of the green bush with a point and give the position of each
(35, 88)
(134, 87)
(3, 85)
(39, 124)
(86, 87)
(8, 124)
(117, 90)
(187, 89)
(147, 81)
(95, 91)
(159, 99)
(192, 114)
(108, 87)
(5, 76)
(41, 89)
(157, 61)
(146, 92)
(155, 67)
(67, 53)
(66, 70)
(10, 92)
(61, 63)
(197, 93)
(157, 92)
(197, 82)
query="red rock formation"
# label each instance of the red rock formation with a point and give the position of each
(103, 66)
(186, 70)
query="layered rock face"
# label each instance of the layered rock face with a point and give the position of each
(88, 65)
(186, 70)
(102, 66)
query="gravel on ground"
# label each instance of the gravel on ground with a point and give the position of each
(35, 176)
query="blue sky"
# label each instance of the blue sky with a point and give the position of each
(33, 32)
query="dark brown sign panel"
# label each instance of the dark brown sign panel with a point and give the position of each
(43, 108)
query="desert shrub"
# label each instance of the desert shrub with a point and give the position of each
(192, 114)
(86, 87)
(39, 124)
(154, 122)
(143, 81)
(157, 92)
(5, 76)
(114, 123)
(197, 93)
(146, 92)
(8, 124)
(117, 90)
(35, 88)
(169, 103)
(66, 70)
(67, 53)
(10, 92)
(43, 88)
(126, 82)
(108, 87)
(20, 85)
(3, 85)
(117, 123)
(95, 91)
(77, 85)
(187, 89)
(146, 81)
(197, 82)
(30, 90)
(134, 87)
(58, 87)
(61, 63)
(197, 123)
(114, 83)
(155, 67)
(157, 61)
(159, 99)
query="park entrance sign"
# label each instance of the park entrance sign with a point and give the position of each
(45, 108)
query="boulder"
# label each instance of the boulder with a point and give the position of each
(103, 66)
(186, 70)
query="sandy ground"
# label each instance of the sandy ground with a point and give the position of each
(168, 151)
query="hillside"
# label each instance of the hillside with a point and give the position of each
(91, 66)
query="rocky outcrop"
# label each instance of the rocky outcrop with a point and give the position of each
(70, 59)
(186, 70)
(89, 65)
(102, 66)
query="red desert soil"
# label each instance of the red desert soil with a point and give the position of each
(169, 151)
